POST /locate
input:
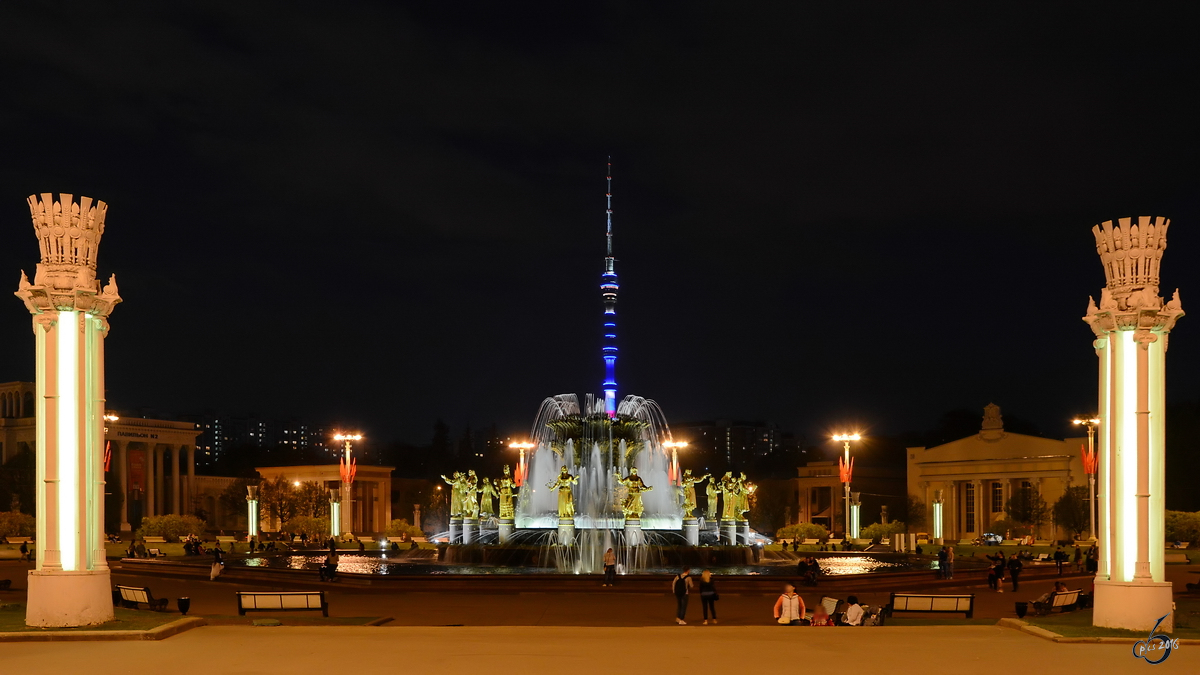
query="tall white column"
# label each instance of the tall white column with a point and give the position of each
(175, 450)
(71, 583)
(1131, 326)
(123, 479)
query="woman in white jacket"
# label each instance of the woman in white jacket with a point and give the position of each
(789, 608)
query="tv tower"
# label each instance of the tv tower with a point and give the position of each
(608, 293)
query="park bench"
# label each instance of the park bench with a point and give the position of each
(226, 539)
(1043, 558)
(1178, 544)
(966, 542)
(861, 542)
(29, 540)
(1176, 558)
(281, 601)
(810, 542)
(131, 596)
(154, 540)
(1063, 601)
(1041, 542)
(420, 540)
(923, 602)
(397, 540)
(1008, 542)
(154, 553)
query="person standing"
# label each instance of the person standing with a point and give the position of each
(217, 564)
(680, 585)
(1014, 570)
(949, 562)
(996, 574)
(1078, 558)
(1059, 559)
(789, 608)
(24, 551)
(610, 568)
(708, 596)
(942, 562)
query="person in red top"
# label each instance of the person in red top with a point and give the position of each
(820, 617)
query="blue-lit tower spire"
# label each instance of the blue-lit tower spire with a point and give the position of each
(608, 292)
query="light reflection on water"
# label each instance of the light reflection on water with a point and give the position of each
(376, 564)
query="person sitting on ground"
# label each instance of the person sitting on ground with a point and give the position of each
(820, 617)
(854, 612)
(814, 571)
(412, 546)
(329, 568)
(361, 545)
(789, 608)
(802, 568)
(395, 546)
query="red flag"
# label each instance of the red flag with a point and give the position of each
(107, 455)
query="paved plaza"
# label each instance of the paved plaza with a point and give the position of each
(583, 650)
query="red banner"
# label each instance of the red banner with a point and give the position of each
(137, 469)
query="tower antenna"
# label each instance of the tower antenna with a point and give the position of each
(608, 293)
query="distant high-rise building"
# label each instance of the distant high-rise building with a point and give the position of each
(732, 442)
(221, 433)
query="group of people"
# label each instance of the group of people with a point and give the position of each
(946, 562)
(789, 608)
(808, 570)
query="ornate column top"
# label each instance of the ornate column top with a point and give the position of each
(1131, 254)
(68, 234)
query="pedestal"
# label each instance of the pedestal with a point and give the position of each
(691, 531)
(566, 531)
(1133, 606)
(60, 599)
(506, 530)
(633, 532)
(456, 530)
(743, 535)
(729, 532)
(470, 530)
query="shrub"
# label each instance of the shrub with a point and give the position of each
(1179, 526)
(802, 531)
(316, 528)
(171, 527)
(17, 524)
(876, 531)
(400, 527)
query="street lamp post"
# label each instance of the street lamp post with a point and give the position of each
(349, 467)
(519, 474)
(673, 470)
(845, 469)
(1089, 467)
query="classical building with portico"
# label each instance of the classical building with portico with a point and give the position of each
(153, 461)
(975, 476)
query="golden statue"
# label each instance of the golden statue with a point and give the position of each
(471, 496)
(745, 489)
(487, 498)
(687, 488)
(713, 491)
(506, 487)
(456, 484)
(729, 496)
(634, 487)
(566, 500)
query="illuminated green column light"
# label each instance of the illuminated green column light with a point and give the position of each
(67, 335)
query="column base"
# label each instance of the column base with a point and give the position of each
(64, 599)
(729, 532)
(456, 530)
(1133, 606)
(633, 532)
(566, 531)
(470, 530)
(743, 533)
(505, 531)
(691, 531)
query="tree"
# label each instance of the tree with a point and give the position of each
(915, 514)
(1028, 508)
(233, 497)
(18, 480)
(312, 500)
(1071, 510)
(880, 531)
(278, 497)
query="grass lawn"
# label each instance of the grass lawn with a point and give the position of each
(12, 619)
(1079, 623)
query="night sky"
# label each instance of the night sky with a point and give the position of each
(381, 215)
